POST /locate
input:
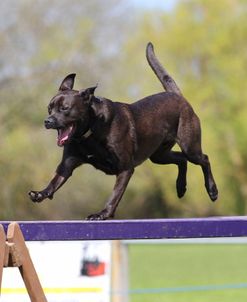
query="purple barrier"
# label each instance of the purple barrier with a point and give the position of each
(133, 229)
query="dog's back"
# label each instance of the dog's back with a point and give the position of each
(156, 120)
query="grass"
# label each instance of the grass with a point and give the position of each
(187, 266)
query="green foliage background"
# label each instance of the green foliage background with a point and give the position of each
(203, 44)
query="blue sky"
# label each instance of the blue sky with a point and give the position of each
(162, 4)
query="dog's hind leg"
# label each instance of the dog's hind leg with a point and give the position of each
(189, 140)
(164, 157)
(202, 159)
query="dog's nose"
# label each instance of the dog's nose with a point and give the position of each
(49, 122)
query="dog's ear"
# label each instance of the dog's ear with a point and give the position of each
(68, 82)
(87, 93)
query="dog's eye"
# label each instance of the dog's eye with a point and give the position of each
(64, 108)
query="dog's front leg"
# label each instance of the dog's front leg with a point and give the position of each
(56, 182)
(118, 191)
(63, 172)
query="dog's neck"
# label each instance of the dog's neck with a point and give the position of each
(99, 118)
(87, 133)
(92, 118)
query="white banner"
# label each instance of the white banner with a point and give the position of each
(69, 271)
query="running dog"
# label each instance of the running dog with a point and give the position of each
(116, 137)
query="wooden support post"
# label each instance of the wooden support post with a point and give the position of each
(119, 272)
(2, 253)
(16, 254)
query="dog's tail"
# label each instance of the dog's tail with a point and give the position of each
(166, 80)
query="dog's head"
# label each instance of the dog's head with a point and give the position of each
(69, 111)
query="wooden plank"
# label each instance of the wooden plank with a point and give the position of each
(2, 253)
(134, 229)
(27, 270)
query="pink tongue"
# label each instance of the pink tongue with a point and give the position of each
(63, 135)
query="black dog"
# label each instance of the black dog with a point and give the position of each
(116, 137)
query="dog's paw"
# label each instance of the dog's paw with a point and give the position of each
(181, 191)
(96, 217)
(103, 215)
(213, 193)
(36, 196)
(181, 188)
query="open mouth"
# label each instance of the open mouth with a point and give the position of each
(64, 134)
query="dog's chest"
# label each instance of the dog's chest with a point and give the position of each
(100, 156)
